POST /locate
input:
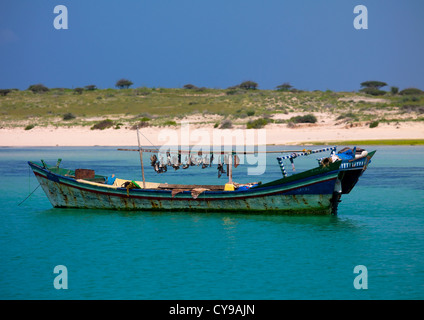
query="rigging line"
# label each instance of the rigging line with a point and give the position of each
(221, 152)
(148, 140)
(29, 195)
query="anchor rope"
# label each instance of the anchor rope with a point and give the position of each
(29, 195)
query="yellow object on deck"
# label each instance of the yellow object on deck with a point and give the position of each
(229, 187)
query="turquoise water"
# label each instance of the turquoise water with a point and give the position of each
(146, 255)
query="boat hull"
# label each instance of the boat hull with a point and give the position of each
(308, 192)
(352, 170)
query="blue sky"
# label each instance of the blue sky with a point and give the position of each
(311, 44)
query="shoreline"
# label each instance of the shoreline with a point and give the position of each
(272, 134)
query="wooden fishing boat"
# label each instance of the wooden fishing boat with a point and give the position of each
(317, 190)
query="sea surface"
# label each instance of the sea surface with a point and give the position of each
(178, 255)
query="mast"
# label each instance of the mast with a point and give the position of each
(230, 168)
(140, 150)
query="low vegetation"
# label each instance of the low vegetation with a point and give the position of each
(4, 92)
(374, 124)
(411, 91)
(258, 123)
(226, 124)
(243, 106)
(309, 118)
(139, 125)
(169, 123)
(29, 127)
(38, 88)
(68, 116)
(103, 125)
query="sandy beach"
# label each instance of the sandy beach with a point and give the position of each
(277, 134)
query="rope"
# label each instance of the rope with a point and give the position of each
(149, 140)
(29, 195)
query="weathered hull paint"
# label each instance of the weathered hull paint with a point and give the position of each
(310, 194)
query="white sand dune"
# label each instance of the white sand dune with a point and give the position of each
(278, 134)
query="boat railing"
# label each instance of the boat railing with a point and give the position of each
(294, 155)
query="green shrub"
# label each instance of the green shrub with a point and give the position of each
(373, 91)
(29, 127)
(68, 116)
(38, 88)
(4, 92)
(411, 91)
(257, 124)
(309, 118)
(250, 113)
(248, 85)
(103, 125)
(374, 124)
(284, 87)
(170, 123)
(189, 86)
(394, 90)
(91, 87)
(78, 90)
